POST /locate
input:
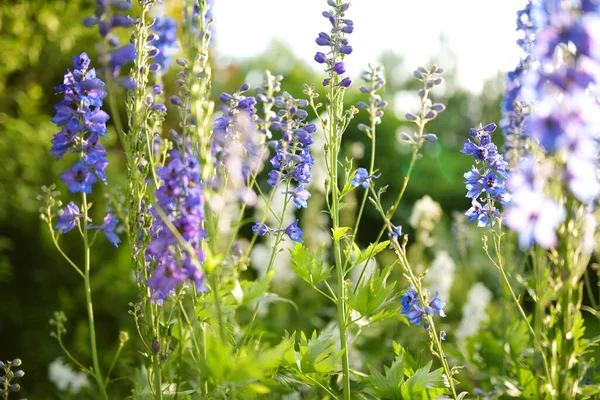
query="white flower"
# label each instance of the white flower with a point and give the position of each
(425, 210)
(474, 311)
(440, 275)
(65, 378)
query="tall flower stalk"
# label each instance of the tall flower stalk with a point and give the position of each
(83, 123)
(334, 127)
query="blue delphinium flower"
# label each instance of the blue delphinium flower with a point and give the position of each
(396, 232)
(108, 227)
(485, 182)
(82, 120)
(109, 15)
(68, 218)
(565, 118)
(260, 229)
(337, 43)
(514, 105)
(293, 230)
(181, 197)
(166, 43)
(200, 24)
(414, 309)
(362, 178)
(292, 160)
(532, 214)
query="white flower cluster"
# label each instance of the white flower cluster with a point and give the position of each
(61, 374)
(474, 311)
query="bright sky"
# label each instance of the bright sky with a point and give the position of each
(480, 32)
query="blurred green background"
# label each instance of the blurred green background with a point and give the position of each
(38, 40)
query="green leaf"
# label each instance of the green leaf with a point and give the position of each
(317, 354)
(373, 294)
(253, 290)
(387, 385)
(372, 251)
(308, 266)
(424, 384)
(339, 233)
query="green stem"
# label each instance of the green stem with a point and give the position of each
(88, 298)
(392, 210)
(500, 267)
(334, 143)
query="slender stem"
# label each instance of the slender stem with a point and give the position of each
(118, 353)
(334, 143)
(88, 298)
(60, 250)
(416, 283)
(392, 210)
(371, 171)
(516, 301)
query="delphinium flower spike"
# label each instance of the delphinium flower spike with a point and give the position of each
(514, 107)
(337, 43)
(174, 254)
(292, 161)
(110, 15)
(164, 41)
(8, 373)
(83, 123)
(565, 118)
(485, 182)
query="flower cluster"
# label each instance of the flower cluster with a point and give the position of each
(225, 126)
(238, 147)
(414, 310)
(266, 96)
(195, 19)
(376, 106)
(7, 375)
(514, 108)
(83, 123)
(430, 78)
(181, 198)
(566, 116)
(293, 231)
(485, 183)
(109, 15)
(532, 214)
(166, 43)
(337, 43)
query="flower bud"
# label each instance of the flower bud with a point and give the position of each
(491, 127)
(430, 137)
(411, 117)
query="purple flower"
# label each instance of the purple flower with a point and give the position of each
(301, 195)
(396, 232)
(362, 178)
(120, 57)
(68, 218)
(79, 178)
(181, 197)
(336, 41)
(535, 218)
(294, 232)
(82, 123)
(110, 223)
(166, 43)
(260, 229)
(414, 309)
